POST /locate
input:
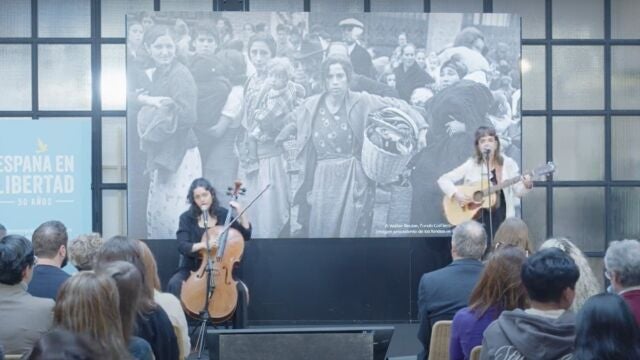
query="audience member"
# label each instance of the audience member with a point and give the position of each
(152, 322)
(513, 231)
(3, 231)
(128, 280)
(606, 330)
(587, 284)
(24, 317)
(443, 292)
(83, 249)
(169, 303)
(622, 267)
(547, 329)
(60, 344)
(89, 304)
(50, 246)
(499, 288)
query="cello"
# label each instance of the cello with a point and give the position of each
(210, 292)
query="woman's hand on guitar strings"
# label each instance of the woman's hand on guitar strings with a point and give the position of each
(462, 199)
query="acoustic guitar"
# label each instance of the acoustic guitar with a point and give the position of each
(484, 197)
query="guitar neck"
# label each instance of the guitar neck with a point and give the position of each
(502, 185)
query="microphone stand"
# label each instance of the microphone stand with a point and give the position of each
(204, 314)
(486, 161)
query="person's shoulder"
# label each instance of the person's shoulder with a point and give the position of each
(463, 315)
(39, 304)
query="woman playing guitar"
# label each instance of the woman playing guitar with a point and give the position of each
(474, 171)
(190, 234)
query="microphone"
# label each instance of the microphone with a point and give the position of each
(205, 214)
(486, 152)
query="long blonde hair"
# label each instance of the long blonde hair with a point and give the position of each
(88, 304)
(587, 285)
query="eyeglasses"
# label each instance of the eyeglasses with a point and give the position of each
(35, 260)
(607, 274)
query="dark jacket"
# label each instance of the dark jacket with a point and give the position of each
(166, 133)
(189, 233)
(442, 293)
(519, 335)
(361, 61)
(46, 281)
(411, 79)
(155, 327)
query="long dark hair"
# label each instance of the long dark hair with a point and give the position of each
(500, 285)
(606, 329)
(481, 132)
(205, 184)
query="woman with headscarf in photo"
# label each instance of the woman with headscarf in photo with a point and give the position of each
(270, 213)
(454, 112)
(165, 125)
(335, 198)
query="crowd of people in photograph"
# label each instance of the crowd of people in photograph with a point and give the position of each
(287, 104)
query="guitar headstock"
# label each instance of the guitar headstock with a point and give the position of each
(543, 170)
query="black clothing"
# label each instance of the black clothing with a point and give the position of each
(155, 327)
(410, 79)
(189, 233)
(361, 61)
(46, 281)
(497, 213)
(442, 293)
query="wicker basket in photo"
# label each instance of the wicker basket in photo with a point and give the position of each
(380, 165)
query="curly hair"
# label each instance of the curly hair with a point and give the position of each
(83, 249)
(587, 285)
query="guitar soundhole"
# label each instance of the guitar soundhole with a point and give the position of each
(472, 206)
(477, 197)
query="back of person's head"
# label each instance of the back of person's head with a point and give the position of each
(129, 283)
(606, 329)
(587, 284)
(16, 256)
(3, 231)
(548, 274)
(48, 238)
(125, 249)
(88, 303)
(500, 285)
(469, 240)
(150, 266)
(60, 344)
(513, 231)
(622, 259)
(83, 249)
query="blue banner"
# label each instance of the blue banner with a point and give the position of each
(45, 174)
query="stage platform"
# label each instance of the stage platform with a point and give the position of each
(404, 344)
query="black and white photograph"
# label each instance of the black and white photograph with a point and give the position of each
(354, 125)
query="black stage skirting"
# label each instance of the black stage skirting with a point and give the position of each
(324, 281)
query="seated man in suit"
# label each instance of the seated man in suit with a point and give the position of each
(50, 246)
(622, 264)
(24, 317)
(547, 329)
(443, 292)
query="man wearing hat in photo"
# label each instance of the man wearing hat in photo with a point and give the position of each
(360, 58)
(307, 63)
